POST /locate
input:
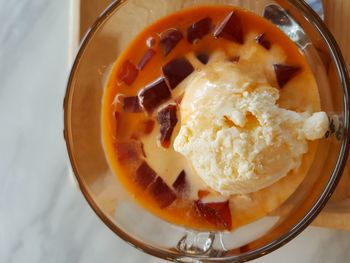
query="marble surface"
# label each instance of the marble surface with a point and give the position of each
(43, 217)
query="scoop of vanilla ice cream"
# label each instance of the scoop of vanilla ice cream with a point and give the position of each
(234, 134)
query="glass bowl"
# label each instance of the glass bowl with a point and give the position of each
(105, 41)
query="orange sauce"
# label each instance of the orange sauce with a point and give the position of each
(181, 212)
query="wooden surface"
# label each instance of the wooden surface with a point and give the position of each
(337, 16)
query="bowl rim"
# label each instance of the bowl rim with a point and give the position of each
(343, 75)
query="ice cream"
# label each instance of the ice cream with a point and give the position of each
(233, 132)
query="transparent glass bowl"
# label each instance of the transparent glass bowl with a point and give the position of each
(108, 37)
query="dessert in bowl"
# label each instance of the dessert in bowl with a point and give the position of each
(203, 129)
(215, 127)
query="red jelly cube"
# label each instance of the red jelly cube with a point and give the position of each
(180, 184)
(230, 28)
(235, 59)
(285, 73)
(203, 58)
(244, 248)
(199, 29)
(150, 42)
(176, 71)
(162, 193)
(128, 73)
(203, 193)
(154, 94)
(144, 175)
(218, 214)
(261, 40)
(143, 128)
(146, 58)
(131, 104)
(146, 126)
(169, 39)
(128, 151)
(167, 120)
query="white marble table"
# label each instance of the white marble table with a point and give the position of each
(43, 218)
